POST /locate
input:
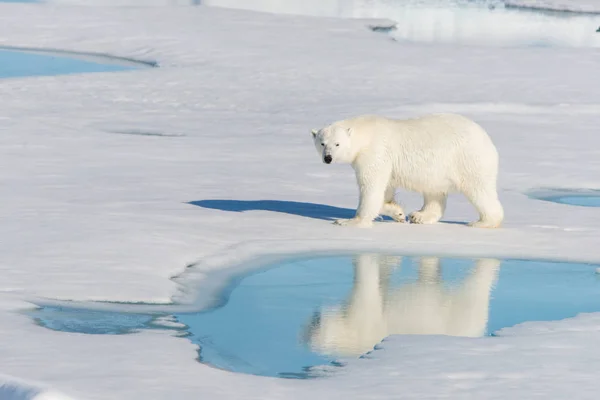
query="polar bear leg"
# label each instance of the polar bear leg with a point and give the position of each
(387, 265)
(430, 270)
(391, 208)
(372, 185)
(432, 211)
(485, 200)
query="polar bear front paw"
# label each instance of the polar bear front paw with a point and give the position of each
(358, 222)
(419, 217)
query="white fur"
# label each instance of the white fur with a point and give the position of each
(427, 306)
(433, 155)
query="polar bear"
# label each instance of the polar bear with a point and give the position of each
(428, 306)
(433, 155)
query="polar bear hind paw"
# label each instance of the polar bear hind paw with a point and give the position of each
(400, 217)
(394, 211)
(484, 224)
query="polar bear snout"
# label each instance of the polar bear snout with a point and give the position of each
(327, 159)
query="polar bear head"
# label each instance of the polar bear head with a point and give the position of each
(333, 143)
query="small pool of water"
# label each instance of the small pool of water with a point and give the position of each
(14, 64)
(300, 317)
(587, 198)
(583, 201)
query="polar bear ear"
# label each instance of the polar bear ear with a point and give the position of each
(314, 132)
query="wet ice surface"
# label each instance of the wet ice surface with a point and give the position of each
(291, 318)
(487, 23)
(499, 26)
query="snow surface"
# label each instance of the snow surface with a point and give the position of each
(98, 172)
(577, 6)
(343, 8)
(453, 21)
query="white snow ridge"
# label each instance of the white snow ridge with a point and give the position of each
(14, 389)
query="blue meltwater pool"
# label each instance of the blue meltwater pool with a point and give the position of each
(304, 316)
(582, 201)
(15, 64)
(573, 197)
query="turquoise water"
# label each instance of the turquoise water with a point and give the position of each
(583, 201)
(289, 319)
(573, 197)
(15, 64)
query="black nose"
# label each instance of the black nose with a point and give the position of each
(327, 159)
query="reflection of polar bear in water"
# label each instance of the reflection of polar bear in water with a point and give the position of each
(374, 311)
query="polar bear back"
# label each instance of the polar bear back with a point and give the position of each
(438, 153)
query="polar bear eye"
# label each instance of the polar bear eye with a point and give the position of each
(337, 145)
(322, 144)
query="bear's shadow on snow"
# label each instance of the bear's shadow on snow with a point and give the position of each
(308, 210)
